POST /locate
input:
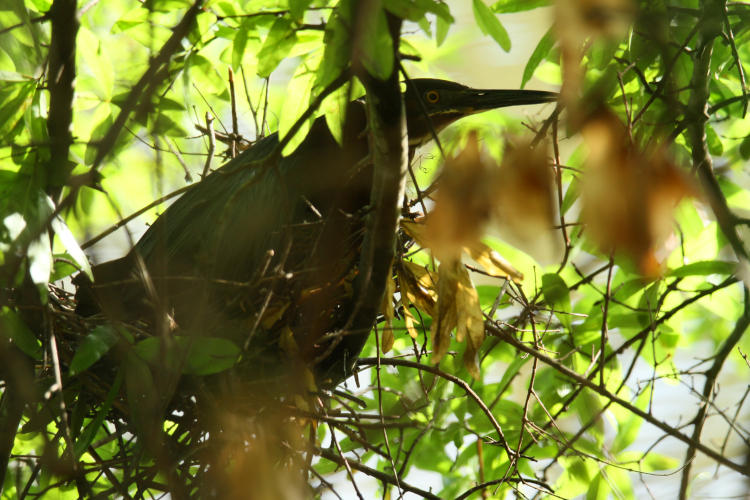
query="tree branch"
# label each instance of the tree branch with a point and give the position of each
(585, 382)
(62, 71)
(380, 476)
(708, 388)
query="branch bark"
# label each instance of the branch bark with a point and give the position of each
(711, 23)
(62, 71)
(583, 381)
(708, 389)
(389, 153)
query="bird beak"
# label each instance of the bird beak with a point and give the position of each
(470, 101)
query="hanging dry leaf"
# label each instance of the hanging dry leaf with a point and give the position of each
(579, 22)
(445, 319)
(628, 195)
(493, 262)
(418, 285)
(463, 202)
(525, 206)
(387, 309)
(409, 319)
(470, 321)
(457, 307)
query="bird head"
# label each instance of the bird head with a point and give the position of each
(432, 104)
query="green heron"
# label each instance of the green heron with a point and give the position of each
(264, 249)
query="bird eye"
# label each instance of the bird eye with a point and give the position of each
(432, 96)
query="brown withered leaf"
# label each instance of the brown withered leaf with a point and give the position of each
(445, 318)
(418, 285)
(629, 195)
(457, 307)
(409, 319)
(525, 206)
(463, 202)
(470, 321)
(492, 262)
(387, 309)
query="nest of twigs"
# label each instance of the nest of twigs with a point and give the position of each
(162, 428)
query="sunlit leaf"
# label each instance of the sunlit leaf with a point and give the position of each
(490, 24)
(18, 333)
(492, 262)
(541, 51)
(705, 268)
(506, 6)
(71, 245)
(279, 42)
(557, 295)
(376, 45)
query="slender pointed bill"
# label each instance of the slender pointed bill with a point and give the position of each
(484, 100)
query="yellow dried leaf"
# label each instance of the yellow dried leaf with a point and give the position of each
(416, 230)
(470, 325)
(628, 195)
(409, 319)
(272, 315)
(525, 206)
(418, 285)
(493, 262)
(445, 318)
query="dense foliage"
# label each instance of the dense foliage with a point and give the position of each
(596, 346)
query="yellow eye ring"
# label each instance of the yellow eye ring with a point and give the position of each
(432, 96)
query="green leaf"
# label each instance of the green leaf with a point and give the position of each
(540, 54)
(300, 92)
(415, 10)
(598, 489)
(89, 433)
(96, 135)
(704, 268)
(192, 355)
(628, 429)
(62, 267)
(377, 46)
(715, 147)
(16, 97)
(279, 42)
(334, 108)
(14, 329)
(441, 30)
(557, 295)
(655, 461)
(490, 24)
(142, 397)
(71, 245)
(337, 45)
(93, 347)
(164, 125)
(239, 44)
(506, 6)
(744, 148)
(209, 355)
(297, 8)
(39, 254)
